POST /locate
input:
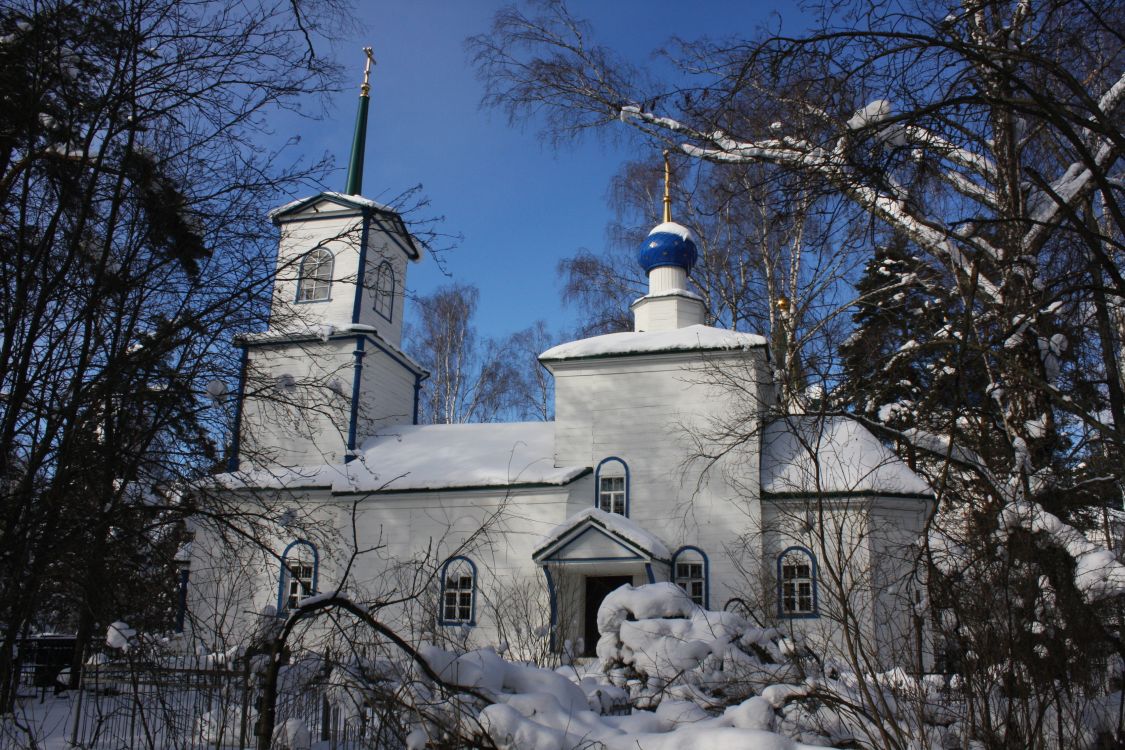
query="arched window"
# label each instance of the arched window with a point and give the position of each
(612, 486)
(796, 583)
(299, 565)
(689, 570)
(314, 280)
(385, 290)
(458, 592)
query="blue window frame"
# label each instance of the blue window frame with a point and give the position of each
(458, 603)
(690, 571)
(299, 568)
(796, 583)
(314, 277)
(611, 486)
(385, 290)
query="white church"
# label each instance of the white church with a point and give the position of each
(668, 461)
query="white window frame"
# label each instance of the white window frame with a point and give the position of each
(611, 494)
(611, 486)
(458, 592)
(690, 571)
(298, 582)
(796, 585)
(314, 279)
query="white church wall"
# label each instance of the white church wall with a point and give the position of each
(863, 554)
(341, 236)
(387, 392)
(900, 613)
(497, 530)
(649, 412)
(384, 247)
(668, 312)
(297, 401)
(234, 582)
(831, 531)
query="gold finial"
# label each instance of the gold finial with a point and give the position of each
(783, 304)
(667, 187)
(365, 87)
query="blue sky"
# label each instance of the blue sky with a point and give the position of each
(520, 205)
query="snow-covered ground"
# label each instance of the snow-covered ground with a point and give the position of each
(669, 676)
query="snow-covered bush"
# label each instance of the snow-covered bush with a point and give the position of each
(118, 635)
(292, 735)
(658, 644)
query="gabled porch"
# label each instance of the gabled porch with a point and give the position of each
(586, 557)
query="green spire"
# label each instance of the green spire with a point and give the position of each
(355, 162)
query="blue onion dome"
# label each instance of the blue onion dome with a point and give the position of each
(668, 244)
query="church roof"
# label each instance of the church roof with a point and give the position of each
(415, 458)
(832, 455)
(343, 200)
(330, 204)
(697, 338)
(300, 331)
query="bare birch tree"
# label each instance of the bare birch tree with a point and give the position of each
(984, 141)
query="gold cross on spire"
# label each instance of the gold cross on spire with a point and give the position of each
(365, 87)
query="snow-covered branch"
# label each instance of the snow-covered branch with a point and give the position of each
(1079, 177)
(833, 168)
(982, 165)
(1098, 573)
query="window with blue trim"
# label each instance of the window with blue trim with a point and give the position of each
(796, 582)
(314, 280)
(385, 290)
(298, 574)
(613, 487)
(458, 592)
(689, 571)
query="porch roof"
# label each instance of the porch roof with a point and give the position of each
(593, 535)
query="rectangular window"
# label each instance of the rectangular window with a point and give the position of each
(611, 495)
(300, 583)
(796, 588)
(689, 577)
(458, 604)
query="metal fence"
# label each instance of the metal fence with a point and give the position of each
(132, 707)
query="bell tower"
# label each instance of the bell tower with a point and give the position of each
(328, 370)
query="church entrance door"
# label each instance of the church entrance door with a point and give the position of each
(597, 588)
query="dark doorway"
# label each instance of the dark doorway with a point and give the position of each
(597, 587)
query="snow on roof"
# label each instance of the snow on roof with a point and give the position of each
(690, 338)
(355, 200)
(434, 457)
(343, 202)
(811, 454)
(324, 332)
(612, 522)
